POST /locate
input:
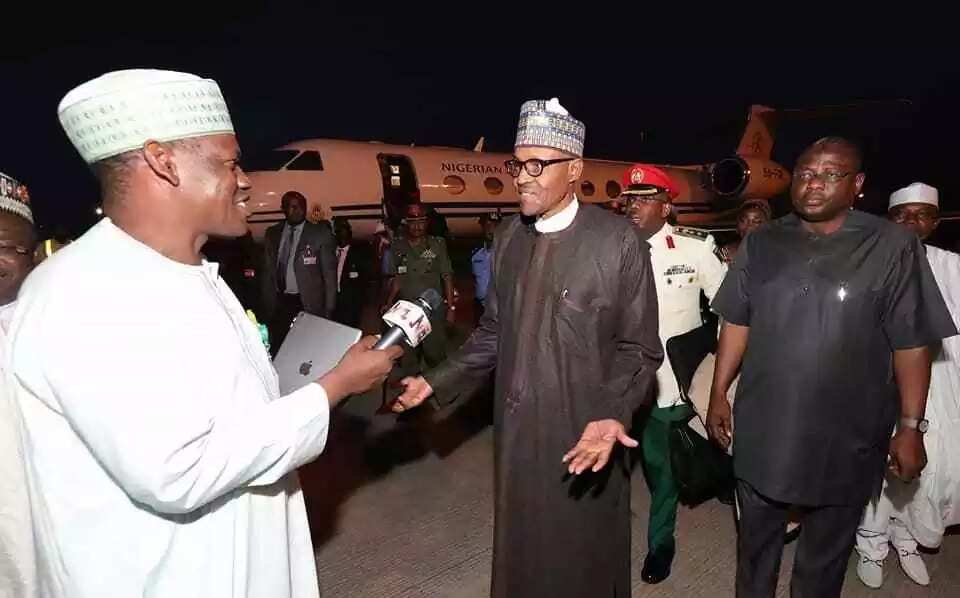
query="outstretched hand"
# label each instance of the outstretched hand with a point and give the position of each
(416, 391)
(596, 444)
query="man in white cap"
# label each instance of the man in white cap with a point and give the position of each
(160, 456)
(17, 242)
(571, 327)
(919, 512)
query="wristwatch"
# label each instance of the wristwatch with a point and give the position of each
(920, 425)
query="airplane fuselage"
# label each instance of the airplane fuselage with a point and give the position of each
(368, 181)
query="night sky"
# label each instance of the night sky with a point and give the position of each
(442, 77)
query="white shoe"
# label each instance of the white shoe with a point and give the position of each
(870, 572)
(914, 567)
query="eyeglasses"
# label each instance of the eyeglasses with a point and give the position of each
(827, 177)
(17, 249)
(533, 166)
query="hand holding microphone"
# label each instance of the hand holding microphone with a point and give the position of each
(410, 323)
(359, 370)
(410, 320)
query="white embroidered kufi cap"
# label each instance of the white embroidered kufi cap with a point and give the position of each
(120, 111)
(548, 124)
(14, 198)
(915, 193)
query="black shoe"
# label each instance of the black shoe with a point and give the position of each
(656, 567)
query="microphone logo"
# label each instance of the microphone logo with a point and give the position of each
(411, 319)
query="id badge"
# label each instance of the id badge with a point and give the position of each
(309, 261)
(354, 275)
(401, 269)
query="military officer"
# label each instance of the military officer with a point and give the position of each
(418, 262)
(684, 265)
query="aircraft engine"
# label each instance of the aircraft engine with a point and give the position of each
(748, 178)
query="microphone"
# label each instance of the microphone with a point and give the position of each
(409, 320)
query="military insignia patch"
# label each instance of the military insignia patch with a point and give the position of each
(428, 255)
(690, 233)
(636, 177)
(679, 269)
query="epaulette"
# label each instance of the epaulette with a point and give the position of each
(690, 233)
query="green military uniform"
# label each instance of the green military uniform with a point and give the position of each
(655, 444)
(418, 269)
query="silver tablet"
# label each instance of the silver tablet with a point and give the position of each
(312, 348)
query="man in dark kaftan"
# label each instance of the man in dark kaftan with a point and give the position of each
(571, 328)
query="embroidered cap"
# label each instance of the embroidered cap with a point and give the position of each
(15, 198)
(546, 123)
(120, 111)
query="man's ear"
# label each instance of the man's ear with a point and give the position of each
(665, 210)
(576, 169)
(160, 158)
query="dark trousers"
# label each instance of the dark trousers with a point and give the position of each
(823, 549)
(286, 309)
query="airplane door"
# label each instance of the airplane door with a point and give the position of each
(400, 187)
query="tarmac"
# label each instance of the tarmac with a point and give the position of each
(405, 509)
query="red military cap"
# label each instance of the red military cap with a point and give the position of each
(644, 179)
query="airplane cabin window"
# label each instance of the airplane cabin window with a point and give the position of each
(308, 160)
(454, 184)
(613, 189)
(493, 185)
(587, 188)
(268, 161)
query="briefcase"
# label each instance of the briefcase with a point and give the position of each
(701, 469)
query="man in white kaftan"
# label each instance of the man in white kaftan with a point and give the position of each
(17, 244)
(161, 456)
(907, 514)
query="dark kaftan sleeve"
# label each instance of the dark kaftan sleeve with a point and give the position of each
(732, 301)
(639, 352)
(476, 358)
(914, 314)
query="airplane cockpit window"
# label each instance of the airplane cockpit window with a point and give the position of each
(613, 189)
(587, 188)
(454, 184)
(308, 160)
(493, 185)
(268, 161)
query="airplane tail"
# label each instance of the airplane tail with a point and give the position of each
(479, 146)
(758, 136)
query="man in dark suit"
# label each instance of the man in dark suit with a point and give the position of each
(354, 262)
(300, 270)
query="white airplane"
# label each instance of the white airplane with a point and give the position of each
(368, 182)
